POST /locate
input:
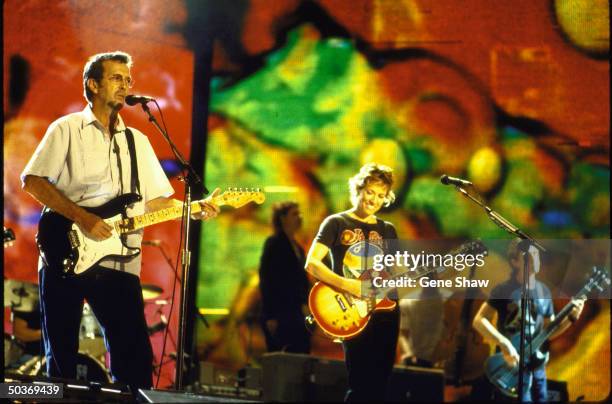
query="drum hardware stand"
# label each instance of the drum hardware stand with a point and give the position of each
(36, 361)
(31, 367)
(191, 178)
(528, 241)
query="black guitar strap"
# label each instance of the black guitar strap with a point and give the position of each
(135, 183)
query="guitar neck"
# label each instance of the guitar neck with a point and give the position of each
(553, 326)
(159, 216)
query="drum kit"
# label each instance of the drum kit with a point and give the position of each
(92, 360)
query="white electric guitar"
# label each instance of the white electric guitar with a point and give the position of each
(64, 246)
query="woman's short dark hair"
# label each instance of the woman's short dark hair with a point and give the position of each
(371, 172)
(279, 210)
(94, 69)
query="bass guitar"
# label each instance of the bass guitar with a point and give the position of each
(505, 377)
(63, 244)
(342, 316)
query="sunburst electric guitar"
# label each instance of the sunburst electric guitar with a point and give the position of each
(64, 246)
(342, 316)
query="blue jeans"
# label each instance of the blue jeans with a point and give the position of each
(535, 388)
(116, 300)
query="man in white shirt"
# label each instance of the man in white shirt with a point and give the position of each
(84, 161)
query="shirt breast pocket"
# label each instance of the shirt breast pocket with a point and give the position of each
(95, 165)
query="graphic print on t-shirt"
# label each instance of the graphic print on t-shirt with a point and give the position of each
(360, 255)
(512, 324)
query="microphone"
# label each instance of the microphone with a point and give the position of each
(446, 180)
(154, 243)
(138, 99)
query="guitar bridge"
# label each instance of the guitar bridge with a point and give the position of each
(73, 239)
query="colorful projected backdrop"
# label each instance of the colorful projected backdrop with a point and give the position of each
(306, 92)
(513, 96)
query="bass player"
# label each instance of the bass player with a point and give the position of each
(505, 299)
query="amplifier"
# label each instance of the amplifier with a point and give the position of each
(413, 383)
(286, 377)
(557, 391)
(298, 377)
(244, 384)
(329, 380)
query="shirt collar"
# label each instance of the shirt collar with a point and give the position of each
(89, 118)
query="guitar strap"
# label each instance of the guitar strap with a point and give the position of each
(135, 183)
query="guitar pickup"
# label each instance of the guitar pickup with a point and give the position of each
(340, 302)
(73, 239)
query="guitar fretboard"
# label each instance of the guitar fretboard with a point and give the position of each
(148, 219)
(233, 197)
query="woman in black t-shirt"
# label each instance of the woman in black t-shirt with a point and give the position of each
(369, 356)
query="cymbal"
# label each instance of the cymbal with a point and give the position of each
(21, 296)
(151, 291)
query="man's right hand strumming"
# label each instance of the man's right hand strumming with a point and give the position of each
(352, 286)
(94, 227)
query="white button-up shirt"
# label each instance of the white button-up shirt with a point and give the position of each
(78, 155)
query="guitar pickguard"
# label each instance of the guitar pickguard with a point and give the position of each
(88, 252)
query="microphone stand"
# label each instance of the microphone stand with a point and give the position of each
(503, 223)
(191, 177)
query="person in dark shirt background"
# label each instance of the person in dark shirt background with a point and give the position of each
(283, 284)
(26, 328)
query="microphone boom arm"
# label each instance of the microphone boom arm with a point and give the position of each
(177, 153)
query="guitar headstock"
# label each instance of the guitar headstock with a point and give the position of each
(598, 280)
(237, 197)
(472, 247)
(9, 237)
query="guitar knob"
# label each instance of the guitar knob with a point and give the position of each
(67, 263)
